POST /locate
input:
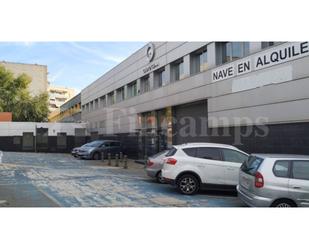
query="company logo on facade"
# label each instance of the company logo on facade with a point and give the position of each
(270, 57)
(150, 51)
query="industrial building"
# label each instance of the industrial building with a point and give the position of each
(250, 94)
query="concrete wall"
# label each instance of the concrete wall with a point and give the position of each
(17, 128)
(38, 73)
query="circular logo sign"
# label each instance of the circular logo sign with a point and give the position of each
(150, 51)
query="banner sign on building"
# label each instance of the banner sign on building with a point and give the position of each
(279, 54)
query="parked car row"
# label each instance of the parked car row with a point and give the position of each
(261, 180)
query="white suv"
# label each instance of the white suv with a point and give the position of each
(195, 165)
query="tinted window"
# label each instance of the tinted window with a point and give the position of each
(208, 153)
(234, 156)
(107, 144)
(115, 144)
(190, 151)
(171, 152)
(94, 144)
(281, 168)
(251, 165)
(300, 170)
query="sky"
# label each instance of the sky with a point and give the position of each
(70, 64)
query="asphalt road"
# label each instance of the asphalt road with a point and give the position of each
(51, 180)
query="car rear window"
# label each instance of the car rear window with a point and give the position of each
(172, 152)
(251, 165)
(300, 170)
(190, 151)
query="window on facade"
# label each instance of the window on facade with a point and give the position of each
(96, 104)
(110, 99)
(159, 78)
(230, 51)
(102, 101)
(120, 94)
(132, 90)
(269, 44)
(177, 70)
(145, 84)
(198, 61)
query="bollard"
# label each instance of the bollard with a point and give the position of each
(1, 155)
(145, 160)
(116, 160)
(121, 157)
(125, 162)
(102, 156)
(109, 157)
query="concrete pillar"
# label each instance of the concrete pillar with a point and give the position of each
(211, 55)
(126, 91)
(186, 66)
(138, 86)
(151, 81)
(167, 74)
(115, 96)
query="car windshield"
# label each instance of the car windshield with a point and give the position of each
(251, 165)
(93, 144)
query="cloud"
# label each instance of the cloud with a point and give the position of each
(97, 53)
(28, 43)
(55, 76)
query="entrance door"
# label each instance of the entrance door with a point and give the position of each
(42, 139)
(28, 143)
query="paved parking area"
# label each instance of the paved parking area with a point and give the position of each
(48, 180)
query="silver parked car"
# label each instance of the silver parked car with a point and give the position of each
(154, 166)
(273, 180)
(95, 149)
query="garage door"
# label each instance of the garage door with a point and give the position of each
(190, 123)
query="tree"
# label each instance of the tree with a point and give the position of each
(15, 98)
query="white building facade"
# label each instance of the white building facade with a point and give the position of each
(254, 95)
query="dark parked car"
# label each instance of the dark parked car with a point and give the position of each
(94, 149)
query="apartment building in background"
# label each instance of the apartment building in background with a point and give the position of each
(38, 74)
(58, 95)
(70, 111)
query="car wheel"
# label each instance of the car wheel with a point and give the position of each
(284, 203)
(96, 156)
(188, 184)
(160, 178)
